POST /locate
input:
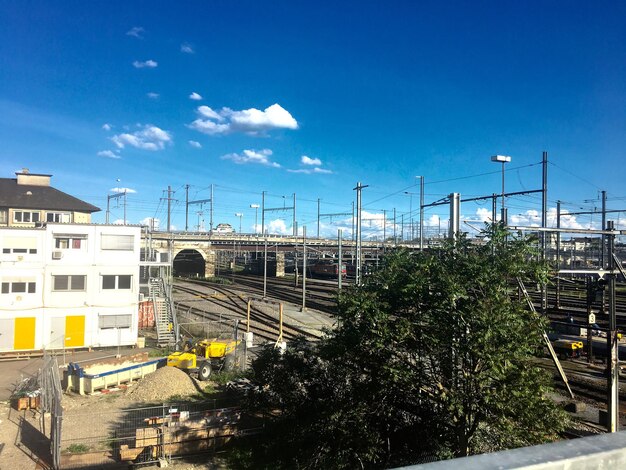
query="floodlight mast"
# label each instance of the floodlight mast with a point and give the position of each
(502, 159)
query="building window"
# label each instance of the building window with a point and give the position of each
(116, 281)
(70, 242)
(118, 242)
(3, 216)
(61, 217)
(114, 321)
(69, 283)
(32, 251)
(25, 217)
(19, 287)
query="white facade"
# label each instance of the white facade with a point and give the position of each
(68, 286)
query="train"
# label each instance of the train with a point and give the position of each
(326, 269)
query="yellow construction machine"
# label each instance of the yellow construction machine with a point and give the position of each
(205, 356)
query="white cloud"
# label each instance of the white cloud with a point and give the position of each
(122, 190)
(529, 218)
(310, 161)
(567, 221)
(433, 221)
(106, 126)
(252, 156)
(311, 171)
(186, 48)
(118, 222)
(136, 31)
(195, 96)
(152, 95)
(484, 214)
(251, 121)
(278, 226)
(108, 154)
(145, 64)
(195, 144)
(148, 138)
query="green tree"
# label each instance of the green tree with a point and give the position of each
(432, 357)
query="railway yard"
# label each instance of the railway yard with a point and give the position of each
(587, 381)
(231, 300)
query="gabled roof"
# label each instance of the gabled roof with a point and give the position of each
(28, 196)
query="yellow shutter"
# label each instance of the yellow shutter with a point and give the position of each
(24, 333)
(74, 331)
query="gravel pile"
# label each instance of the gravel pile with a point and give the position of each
(162, 384)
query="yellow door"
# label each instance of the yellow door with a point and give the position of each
(74, 331)
(24, 333)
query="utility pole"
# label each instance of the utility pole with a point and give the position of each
(263, 212)
(358, 189)
(304, 268)
(169, 207)
(116, 196)
(318, 217)
(353, 236)
(265, 269)
(558, 253)
(544, 224)
(340, 256)
(421, 213)
(295, 224)
(384, 229)
(186, 207)
(603, 241)
(544, 202)
(353, 232)
(612, 343)
(395, 239)
(211, 214)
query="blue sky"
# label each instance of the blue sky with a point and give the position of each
(312, 97)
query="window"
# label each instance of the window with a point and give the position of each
(19, 287)
(61, 217)
(3, 216)
(114, 321)
(32, 251)
(25, 217)
(118, 242)
(70, 242)
(72, 283)
(116, 281)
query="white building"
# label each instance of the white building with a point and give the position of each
(68, 286)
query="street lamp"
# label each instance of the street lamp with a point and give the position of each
(502, 159)
(256, 214)
(240, 215)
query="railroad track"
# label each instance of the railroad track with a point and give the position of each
(262, 324)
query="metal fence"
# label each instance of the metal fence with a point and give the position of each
(51, 394)
(145, 435)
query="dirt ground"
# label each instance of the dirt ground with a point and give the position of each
(24, 436)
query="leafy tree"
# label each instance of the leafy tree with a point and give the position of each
(432, 357)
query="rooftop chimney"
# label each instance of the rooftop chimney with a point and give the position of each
(32, 179)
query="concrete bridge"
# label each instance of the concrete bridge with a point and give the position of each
(190, 250)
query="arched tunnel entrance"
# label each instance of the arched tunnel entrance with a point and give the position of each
(189, 263)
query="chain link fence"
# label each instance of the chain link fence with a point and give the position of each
(51, 395)
(147, 435)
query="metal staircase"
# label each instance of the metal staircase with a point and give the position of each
(164, 317)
